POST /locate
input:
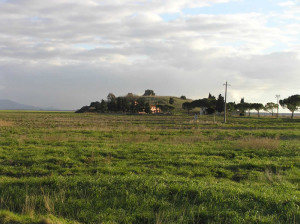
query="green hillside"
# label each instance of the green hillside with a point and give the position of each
(164, 100)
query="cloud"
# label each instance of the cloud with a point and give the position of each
(287, 3)
(73, 52)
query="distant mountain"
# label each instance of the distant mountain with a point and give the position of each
(11, 105)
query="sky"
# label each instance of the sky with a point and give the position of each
(67, 53)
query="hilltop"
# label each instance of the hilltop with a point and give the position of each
(131, 103)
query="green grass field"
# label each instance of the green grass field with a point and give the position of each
(91, 168)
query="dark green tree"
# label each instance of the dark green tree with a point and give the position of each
(249, 107)
(270, 107)
(187, 106)
(111, 102)
(171, 100)
(292, 103)
(123, 104)
(220, 103)
(257, 107)
(148, 108)
(241, 107)
(166, 108)
(231, 107)
(95, 105)
(111, 97)
(140, 106)
(103, 106)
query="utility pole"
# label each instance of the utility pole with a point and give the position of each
(225, 107)
(277, 96)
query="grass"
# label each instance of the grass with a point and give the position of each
(91, 168)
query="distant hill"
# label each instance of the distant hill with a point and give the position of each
(11, 105)
(131, 103)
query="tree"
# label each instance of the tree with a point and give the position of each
(166, 108)
(171, 100)
(83, 109)
(249, 107)
(183, 97)
(141, 105)
(270, 107)
(123, 104)
(292, 103)
(187, 106)
(211, 96)
(148, 108)
(257, 107)
(230, 107)
(202, 103)
(103, 106)
(220, 103)
(111, 97)
(241, 107)
(206, 104)
(111, 102)
(95, 105)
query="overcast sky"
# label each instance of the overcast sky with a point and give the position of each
(67, 53)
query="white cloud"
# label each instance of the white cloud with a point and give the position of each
(287, 3)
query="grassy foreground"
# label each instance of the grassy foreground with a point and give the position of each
(91, 168)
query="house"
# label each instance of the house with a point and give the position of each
(154, 109)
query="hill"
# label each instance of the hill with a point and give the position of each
(164, 100)
(137, 104)
(11, 105)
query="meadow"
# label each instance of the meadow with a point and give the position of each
(62, 167)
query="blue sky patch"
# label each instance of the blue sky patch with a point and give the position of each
(234, 7)
(169, 16)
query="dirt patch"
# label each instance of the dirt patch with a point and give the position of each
(6, 123)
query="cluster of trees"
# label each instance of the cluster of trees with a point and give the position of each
(124, 104)
(209, 105)
(243, 107)
(129, 103)
(212, 105)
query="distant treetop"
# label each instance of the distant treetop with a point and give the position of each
(149, 92)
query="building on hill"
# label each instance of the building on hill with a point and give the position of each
(149, 92)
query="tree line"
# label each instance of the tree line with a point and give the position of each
(213, 105)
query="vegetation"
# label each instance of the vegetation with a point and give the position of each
(134, 104)
(292, 103)
(209, 105)
(271, 107)
(102, 168)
